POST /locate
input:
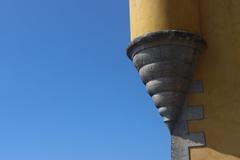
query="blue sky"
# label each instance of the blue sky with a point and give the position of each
(67, 88)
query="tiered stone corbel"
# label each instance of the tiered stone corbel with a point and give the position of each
(166, 61)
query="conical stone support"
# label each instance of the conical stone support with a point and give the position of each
(166, 61)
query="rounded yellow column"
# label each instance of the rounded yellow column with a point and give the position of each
(157, 15)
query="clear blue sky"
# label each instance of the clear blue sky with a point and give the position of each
(68, 90)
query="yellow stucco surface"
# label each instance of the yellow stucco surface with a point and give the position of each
(218, 21)
(154, 15)
(219, 68)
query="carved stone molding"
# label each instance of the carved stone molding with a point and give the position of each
(166, 61)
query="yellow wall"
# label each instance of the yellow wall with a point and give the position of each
(154, 15)
(219, 23)
(219, 68)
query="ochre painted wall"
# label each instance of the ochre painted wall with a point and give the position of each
(219, 68)
(218, 21)
(154, 15)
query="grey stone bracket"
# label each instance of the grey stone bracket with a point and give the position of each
(181, 139)
(166, 61)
